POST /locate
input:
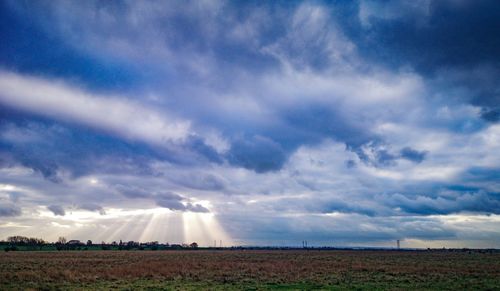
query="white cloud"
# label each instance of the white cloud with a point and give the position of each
(118, 115)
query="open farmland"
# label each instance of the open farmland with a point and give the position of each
(227, 270)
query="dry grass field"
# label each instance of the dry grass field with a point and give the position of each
(250, 270)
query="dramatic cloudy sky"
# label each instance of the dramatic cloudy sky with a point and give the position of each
(267, 122)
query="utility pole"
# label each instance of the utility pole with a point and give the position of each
(398, 244)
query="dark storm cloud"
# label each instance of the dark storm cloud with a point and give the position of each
(23, 35)
(450, 34)
(196, 208)
(381, 158)
(200, 181)
(481, 202)
(469, 195)
(378, 154)
(301, 124)
(9, 210)
(57, 210)
(312, 123)
(199, 146)
(48, 161)
(48, 147)
(482, 174)
(491, 114)
(257, 153)
(455, 41)
(412, 154)
(132, 192)
(170, 200)
(174, 201)
(48, 169)
(343, 207)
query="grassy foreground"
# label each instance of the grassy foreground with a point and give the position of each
(250, 270)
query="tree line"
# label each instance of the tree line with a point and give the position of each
(14, 243)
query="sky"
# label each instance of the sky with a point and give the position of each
(343, 123)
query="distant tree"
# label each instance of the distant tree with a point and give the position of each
(34, 242)
(194, 245)
(176, 246)
(31, 242)
(18, 240)
(61, 243)
(131, 245)
(89, 242)
(104, 246)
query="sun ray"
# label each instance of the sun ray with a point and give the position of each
(204, 229)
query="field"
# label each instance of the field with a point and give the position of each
(250, 270)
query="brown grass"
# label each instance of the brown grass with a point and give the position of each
(480, 270)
